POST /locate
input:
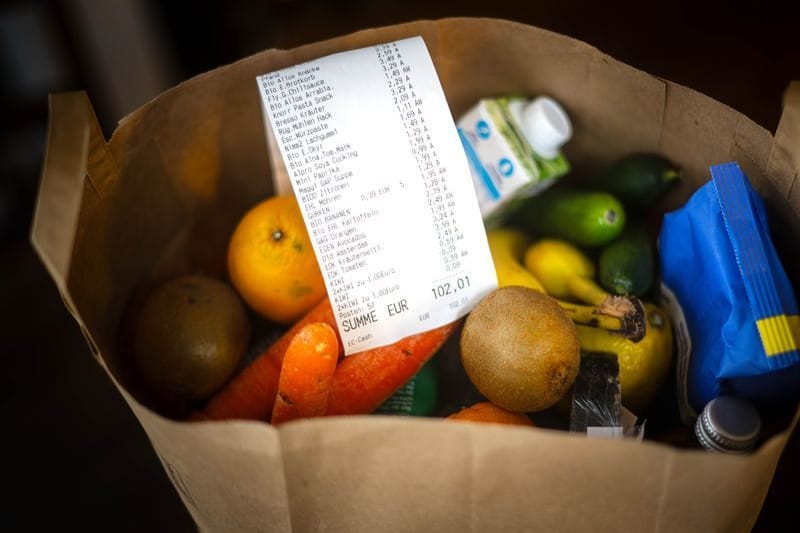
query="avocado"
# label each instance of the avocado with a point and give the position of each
(584, 217)
(637, 180)
(627, 265)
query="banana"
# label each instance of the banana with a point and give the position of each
(608, 316)
(507, 246)
(623, 316)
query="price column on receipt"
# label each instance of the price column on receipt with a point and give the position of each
(384, 187)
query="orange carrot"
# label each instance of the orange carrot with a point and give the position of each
(360, 384)
(365, 380)
(306, 374)
(251, 394)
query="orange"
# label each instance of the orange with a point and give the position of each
(491, 413)
(271, 262)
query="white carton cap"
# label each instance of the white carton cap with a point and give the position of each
(546, 126)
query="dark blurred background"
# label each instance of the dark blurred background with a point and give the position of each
(74, 457)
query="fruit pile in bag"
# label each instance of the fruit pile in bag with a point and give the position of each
(573, 337)
(197, 353)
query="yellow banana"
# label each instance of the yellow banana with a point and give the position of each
(629, 324)
(566, 272)
(507, 247)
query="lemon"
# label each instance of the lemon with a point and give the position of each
(554, 262)
(643, 365)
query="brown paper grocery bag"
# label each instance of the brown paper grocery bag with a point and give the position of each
(162, 196)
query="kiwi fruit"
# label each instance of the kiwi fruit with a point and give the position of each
(520, 349)
(190, 336)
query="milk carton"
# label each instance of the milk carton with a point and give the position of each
(513, 147)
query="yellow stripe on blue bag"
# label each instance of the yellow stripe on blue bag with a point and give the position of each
(779, 334)
(766, 285)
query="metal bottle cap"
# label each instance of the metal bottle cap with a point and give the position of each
(728, 424)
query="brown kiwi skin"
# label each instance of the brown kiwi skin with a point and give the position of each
(520, 349)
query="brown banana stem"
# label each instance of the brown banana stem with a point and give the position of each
(619, 306)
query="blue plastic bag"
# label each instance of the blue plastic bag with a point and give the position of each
(741, 330)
